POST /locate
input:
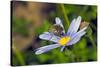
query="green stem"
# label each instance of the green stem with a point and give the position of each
(65, 14)
(92, 41)
(19, 55)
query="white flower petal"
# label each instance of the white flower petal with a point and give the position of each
(49, 36)
(46, 48)
(59, 22)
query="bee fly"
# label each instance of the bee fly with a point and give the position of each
(56, 29)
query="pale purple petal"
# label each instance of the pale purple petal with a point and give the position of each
(62, 48)
(76, 38)
(49, 36)
(77, 24)
(79, 33)
(46, 48)
(74, 26)
(59, 22)
(70, 30)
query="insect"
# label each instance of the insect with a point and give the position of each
(56, 29)
(84, 24)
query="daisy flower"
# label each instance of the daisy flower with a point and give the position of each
(72, 36)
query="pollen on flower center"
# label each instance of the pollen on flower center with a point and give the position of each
(64, 40)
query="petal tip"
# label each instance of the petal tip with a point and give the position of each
(79, 16)
(40, 36)
(38, 52)
(58, 21)
(57, 18)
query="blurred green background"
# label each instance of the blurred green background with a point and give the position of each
(30, 19)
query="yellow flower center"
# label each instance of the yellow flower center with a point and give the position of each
(64, 40)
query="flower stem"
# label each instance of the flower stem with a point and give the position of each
(92, 41)
(65, 14)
